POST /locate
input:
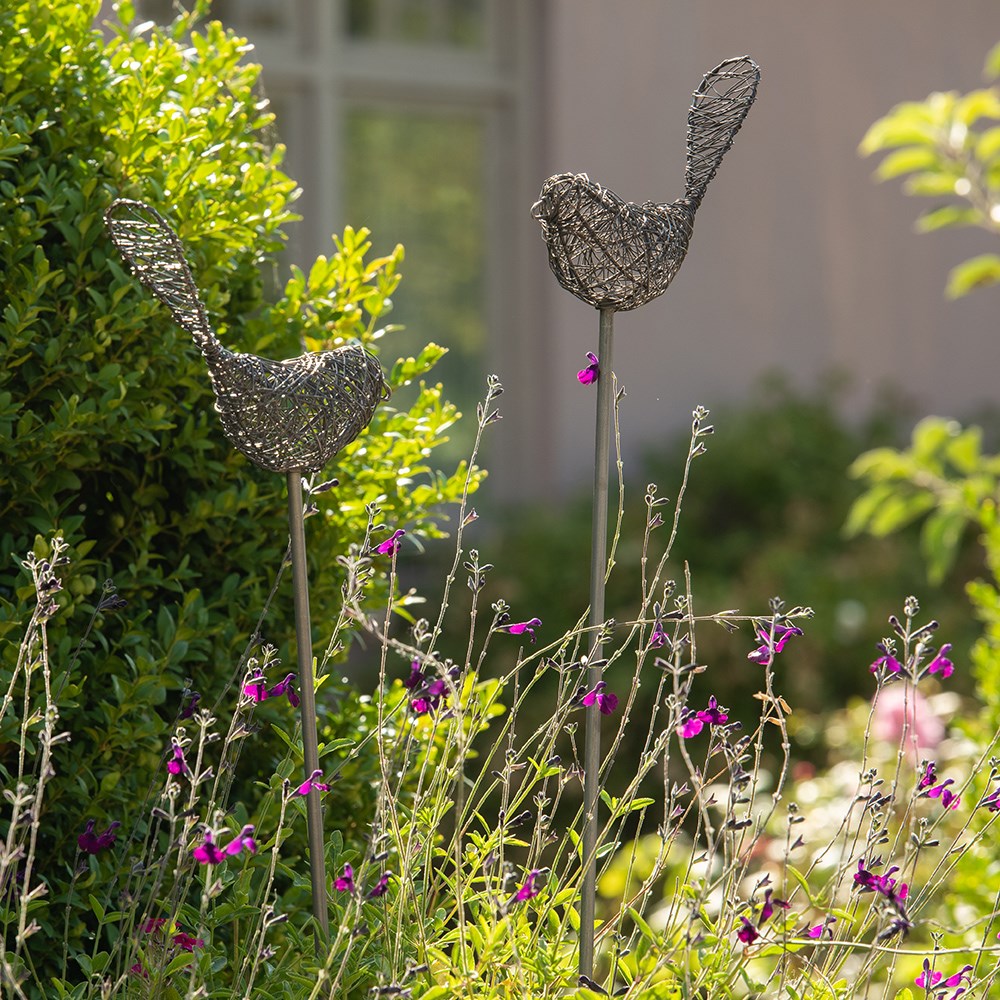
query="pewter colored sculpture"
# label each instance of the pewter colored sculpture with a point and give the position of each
(286, 416)
(617, 255)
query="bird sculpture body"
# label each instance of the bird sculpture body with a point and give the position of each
(618, 255)
(283, 415)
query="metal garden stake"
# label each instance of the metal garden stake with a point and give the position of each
(618, 255)
(286, 416)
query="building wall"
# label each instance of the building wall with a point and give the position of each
(799, 260)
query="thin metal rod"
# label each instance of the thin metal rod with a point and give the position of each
(598, 569)
(307, 693)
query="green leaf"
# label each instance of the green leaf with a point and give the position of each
(939, 538)
(96, 907)
(946, 217)
(906, 161)
(977, 272)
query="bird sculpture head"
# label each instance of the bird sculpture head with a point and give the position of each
(616, 254)
(283, 415)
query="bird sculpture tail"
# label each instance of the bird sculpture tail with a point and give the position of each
(718, 108)
(155, 255)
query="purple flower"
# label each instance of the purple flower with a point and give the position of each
(884, 885)
(528, 890)
(886, 662)
(285, 687)
(590, 374)
(380, 887)
(948, 798)
(929, 775)
(658, 638)
(191, 705)
(519, 628)
(607, 703)
(941, 664)
(186, 942)
(243, 841)
(311, 783)
(714, 715)
(929, 978)
(767, 910)
(391, 545)
(93, 843)
(747, 933)
(691, 726)
(208, 853)
(346, 881)
(766, 652)
(817, 931)
(177, 764)
(992, 802)
(256, 689)
(416, 677)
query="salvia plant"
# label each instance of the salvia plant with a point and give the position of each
(724, 870)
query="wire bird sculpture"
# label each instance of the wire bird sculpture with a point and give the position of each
(287, 416)
(283, 415)
(618, 255)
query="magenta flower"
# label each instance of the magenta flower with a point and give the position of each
(607, 703)
(818, 930)
(243, 841)
(992, 802)
(528, 890)
(767, 910)
(391, 545)
(747, 933)
(948, 798)
(311, 783)
(187, 942)
(714, 715)
(766, 652)
(256, 689)
(177, 764)
(346, 881)
(886, 662)
(93, 843)
(590, 374)
(519, 628)
(929, 775)
(380, 887)
(930, 978)
(208, 853)
(941, 664)
(285, 687)
(884, 885)
(416, 677)
(658, 638)
(191, 705)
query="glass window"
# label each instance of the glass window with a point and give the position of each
(417, 178)
(453, 23)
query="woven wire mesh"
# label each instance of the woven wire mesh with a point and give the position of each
(283, 415)
(618, 255)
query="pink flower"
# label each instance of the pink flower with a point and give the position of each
(903, 714)
(607, 703)
(391, 545)
(208, 853)
(590, 374)
(346, 881)
(519, 628)
(311, 783)
(941, 664)
(177, 764)
(528, 890)
(766, 652)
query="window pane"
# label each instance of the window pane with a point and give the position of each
(417, 178)
(455, 23)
